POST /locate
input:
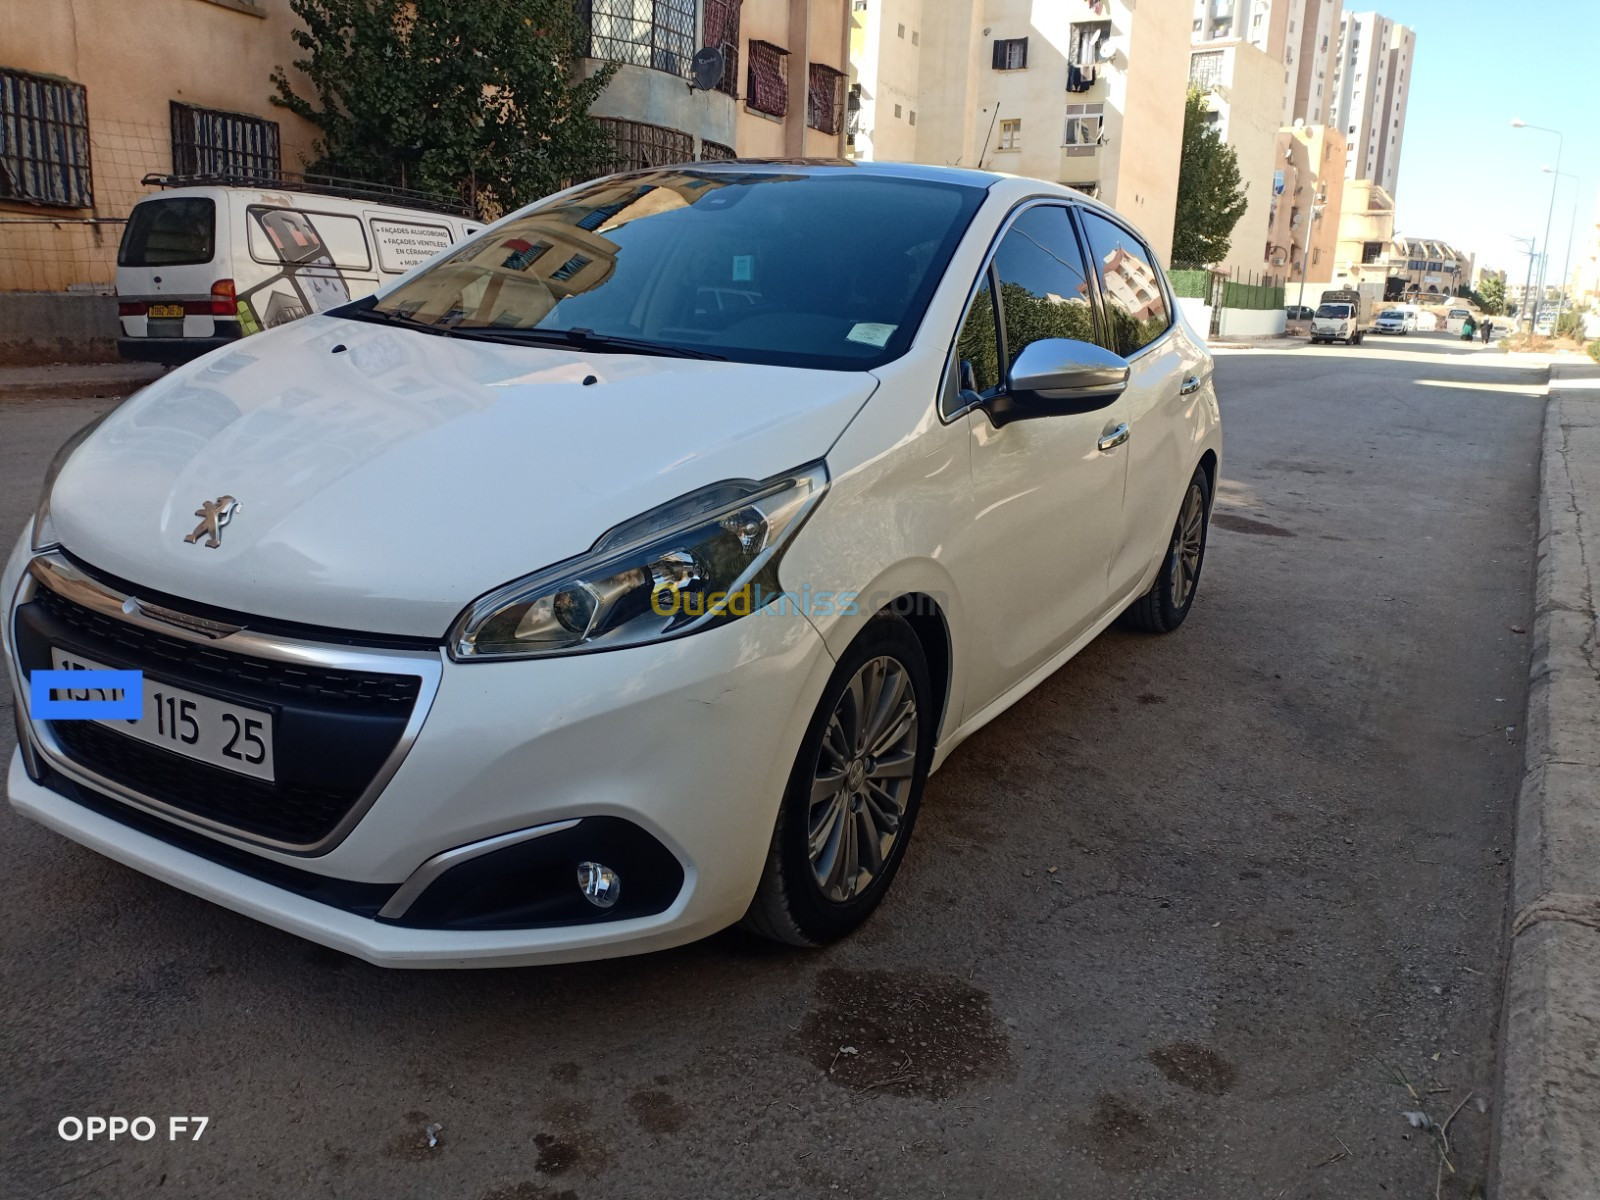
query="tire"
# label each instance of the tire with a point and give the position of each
(808, 899)
(1163, 608)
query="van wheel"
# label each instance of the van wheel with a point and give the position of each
(854, 792)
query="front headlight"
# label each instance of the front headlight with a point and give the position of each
(44, 533)
(704, 559)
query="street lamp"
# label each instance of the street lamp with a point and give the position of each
(1566, 266)
(1519, 123)
(1532, 252)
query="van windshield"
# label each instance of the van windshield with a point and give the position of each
(171, 231)
(803, 269)
(1339, 311)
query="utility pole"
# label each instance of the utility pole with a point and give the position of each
(1312, 210)
(1531, 253)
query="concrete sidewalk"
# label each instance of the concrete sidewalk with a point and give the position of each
(1548, 1111)
(71, 381)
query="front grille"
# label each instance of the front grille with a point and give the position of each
(333, 730)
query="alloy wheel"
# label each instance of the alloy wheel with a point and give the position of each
(1188, 542)
(862, 780)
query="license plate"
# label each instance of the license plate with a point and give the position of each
(160, 312)
(213, 731)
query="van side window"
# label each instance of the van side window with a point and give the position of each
(307, 239)
(1135, 304)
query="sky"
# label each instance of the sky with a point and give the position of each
(1466, 175)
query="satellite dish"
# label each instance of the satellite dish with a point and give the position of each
(707, 67)
(1104, 51)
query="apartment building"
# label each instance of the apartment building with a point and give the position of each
(1366, 231)
(97, 94)
(781, 93)
(1083, 92)
(1372, 84)
(1299, 35)
(1428, 267)
(1242, 85)
(1308, 195)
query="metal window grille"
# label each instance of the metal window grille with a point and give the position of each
(767, 89)
(640, 145)
(44, 141)
(571, 267)
(722, 31)
(659, 34)
(208, 142)
(715, 151)
(1205, 70)
(1082, 135)
(1010, 54)
(822, 98)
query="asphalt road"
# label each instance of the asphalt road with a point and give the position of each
(1181, 924)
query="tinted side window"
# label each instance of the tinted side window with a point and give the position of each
(978, 346)
(1135, 303)
(1044, 286)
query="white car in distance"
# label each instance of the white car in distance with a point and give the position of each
(622, 573)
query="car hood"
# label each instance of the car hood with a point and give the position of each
(385, 478)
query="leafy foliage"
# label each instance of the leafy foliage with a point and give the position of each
(1492, 296)
(471, 98)
(1211, 197)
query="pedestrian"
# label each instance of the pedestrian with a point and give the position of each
(1468, 329)
(1488, 331)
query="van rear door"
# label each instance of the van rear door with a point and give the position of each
(172, 258)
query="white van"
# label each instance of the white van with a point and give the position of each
(200, 267)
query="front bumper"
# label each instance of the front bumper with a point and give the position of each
(690, 741)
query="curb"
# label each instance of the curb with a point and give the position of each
(1547, 1101)
(74, 382)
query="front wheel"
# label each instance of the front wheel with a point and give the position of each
(1163, 608)
(854, 792)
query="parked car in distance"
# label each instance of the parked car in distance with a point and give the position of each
(623, 573)
(202, 266)
(1457, 316)
(1394, 320)
(1345, 314)
(1299, 312)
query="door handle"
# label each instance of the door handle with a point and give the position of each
(1115, 438)
(1190, 386)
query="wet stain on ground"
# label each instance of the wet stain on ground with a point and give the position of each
(555, 1154)
(565, 1072)
(1121, 1137)
(903, 1033)
(1151, 698)
(1195, 1067)
(657, 1112)
(1237, 524)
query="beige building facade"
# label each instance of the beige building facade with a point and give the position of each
(1242, 85)
(157, 87)
(885, 79)
(1087, 93)
(105, 92)
(1303, 221)
(1372, 87)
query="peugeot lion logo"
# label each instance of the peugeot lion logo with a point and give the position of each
(213, 514)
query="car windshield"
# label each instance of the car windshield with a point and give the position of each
(1333, 310)
(804, 268)
(1391, 315)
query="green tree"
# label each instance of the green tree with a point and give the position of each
(1492, 296)
(1211, 197)
(471, 98)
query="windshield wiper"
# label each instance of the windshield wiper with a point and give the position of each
(364, 310)
(587, 339)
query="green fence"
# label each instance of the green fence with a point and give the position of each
(1250, 295)
(1191, 285)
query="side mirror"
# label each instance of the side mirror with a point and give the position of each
(1056, 376)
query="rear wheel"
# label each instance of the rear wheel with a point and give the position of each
(854, 792)
(1164, 607)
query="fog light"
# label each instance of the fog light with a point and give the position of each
(600, 885)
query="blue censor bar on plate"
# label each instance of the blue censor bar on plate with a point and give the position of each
(89, 695)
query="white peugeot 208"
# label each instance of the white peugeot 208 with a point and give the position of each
(621, 573)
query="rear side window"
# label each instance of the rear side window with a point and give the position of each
(1135, 303)
(307, 239)
(1044, 286)
(174, 231)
